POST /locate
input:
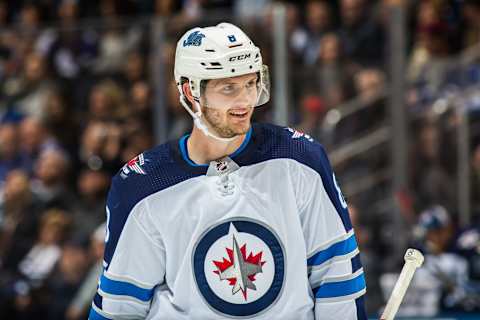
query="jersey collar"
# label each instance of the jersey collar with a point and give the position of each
(181, 156)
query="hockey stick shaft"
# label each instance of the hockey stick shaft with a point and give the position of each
(413, 260)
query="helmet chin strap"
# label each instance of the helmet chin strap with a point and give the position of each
(197, 120)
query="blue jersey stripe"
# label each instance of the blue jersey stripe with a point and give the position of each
(184, 151)
(356, 263)
(359, 302)
(183, 148)
(337, 249)
(341, 288)
(360, 305)
(125, 289)
(94, 315)
(98, 300)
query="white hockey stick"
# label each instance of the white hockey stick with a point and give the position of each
(413, 260)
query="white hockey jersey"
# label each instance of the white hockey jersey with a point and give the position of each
(261, 234)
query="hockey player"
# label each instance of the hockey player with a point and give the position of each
(233, 220)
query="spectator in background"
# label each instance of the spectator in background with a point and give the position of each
(141, 104)
(5, 56)
(429, 178)
(475, 186)
(114, 42)
(133, 70)
(66, 279)
(35, 139)
(5, 46)
(89, 208)
(34, 87)
(29, 288)
(471, 17)
(442, 281)
(468, 246)
(370, 89)
(429, 57)
(362, 38)
(41, 259)
(332, 70)
(29, 17)
(195, 9)
(107, 102)
(447, 270)
(369, 84)
(50, 177)
(68, 49)
(137, 139)
(250, 11)
(101, 146)
(318, 20)
(61, 121)
(9, 150)
(14, 51)
(3, 14)
(312, 110)
(164, 8)
(19, 216)
(81, 302)
(28, 22)
(296, 35)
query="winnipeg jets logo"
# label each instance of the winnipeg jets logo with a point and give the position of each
(239, 267)
(298, 134)
(194, 39)
(135, 165)
(239, 270)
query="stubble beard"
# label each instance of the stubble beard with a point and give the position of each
(214, 119)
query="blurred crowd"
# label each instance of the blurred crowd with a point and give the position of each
(77, 92)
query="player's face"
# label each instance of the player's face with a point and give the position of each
(227, 104)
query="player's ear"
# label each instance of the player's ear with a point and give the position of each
(187, 92)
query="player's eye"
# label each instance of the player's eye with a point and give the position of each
(228, 89)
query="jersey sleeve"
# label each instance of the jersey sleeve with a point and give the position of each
(134, 259)
(334, 268)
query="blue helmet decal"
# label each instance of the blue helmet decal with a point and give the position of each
(194, 39)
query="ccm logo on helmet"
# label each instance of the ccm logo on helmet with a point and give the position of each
(240, 57)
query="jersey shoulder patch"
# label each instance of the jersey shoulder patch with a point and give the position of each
(286, 142)
(149, 172)
(296, 134)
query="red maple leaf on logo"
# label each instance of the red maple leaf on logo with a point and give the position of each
(225, 264)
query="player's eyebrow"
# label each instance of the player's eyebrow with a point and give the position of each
(229, 81)
(223, 82)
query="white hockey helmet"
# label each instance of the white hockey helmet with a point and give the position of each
(221, 51)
